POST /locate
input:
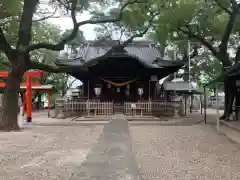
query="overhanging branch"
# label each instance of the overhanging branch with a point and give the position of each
(228, 30)
(4, 46)
(140, 34)
(201, 39)
(49, 68)
(143, 32)
(222, 7)
(47, 17)
(60, 46)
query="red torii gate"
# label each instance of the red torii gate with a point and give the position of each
(28, 94)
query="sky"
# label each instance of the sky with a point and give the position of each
(88, 30)
(66, 23)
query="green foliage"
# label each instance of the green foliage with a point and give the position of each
(207, 68)
(206, 19)
(41, 32)
(78, 40)
(10, 8)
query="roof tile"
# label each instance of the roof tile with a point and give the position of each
(145, 50)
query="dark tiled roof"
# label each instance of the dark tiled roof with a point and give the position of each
(146, 51)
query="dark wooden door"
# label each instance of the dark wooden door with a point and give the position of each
(119, 94)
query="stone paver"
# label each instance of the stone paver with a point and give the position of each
(184, 152)
(112, 157)
(45, 152)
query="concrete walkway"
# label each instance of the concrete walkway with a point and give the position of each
(111, 158)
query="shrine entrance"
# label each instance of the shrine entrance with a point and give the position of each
(119, 94)
(119, 91)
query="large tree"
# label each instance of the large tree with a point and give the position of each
(42, 31)
(213, 24)
(19, 55)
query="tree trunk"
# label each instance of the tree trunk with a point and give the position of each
(237, 103)
(9, 115)
(229, 91)
(231, 96)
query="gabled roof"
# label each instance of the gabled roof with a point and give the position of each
(143, 51)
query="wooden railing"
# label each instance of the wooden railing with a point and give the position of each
(152, 108)
(97, 108)
(80, 108)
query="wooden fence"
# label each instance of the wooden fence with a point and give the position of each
(97, 108)
(81, 108)
(152, 108)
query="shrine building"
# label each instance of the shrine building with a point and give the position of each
(111, 72)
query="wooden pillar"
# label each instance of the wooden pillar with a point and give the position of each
(29, 99)
(85, 88)
(149, 90)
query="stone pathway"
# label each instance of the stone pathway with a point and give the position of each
(119, 150)
(111, 158)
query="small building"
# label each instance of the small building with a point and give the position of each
(110, 71)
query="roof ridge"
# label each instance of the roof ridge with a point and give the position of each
(115, 42)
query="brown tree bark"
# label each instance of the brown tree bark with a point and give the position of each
(230, 94)
(9, 115)
(230, 98)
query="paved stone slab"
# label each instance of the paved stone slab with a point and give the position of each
(112, 157)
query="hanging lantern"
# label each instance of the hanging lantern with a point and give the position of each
(97, 91)
(108, 85)
(140, 91)
(118, 89)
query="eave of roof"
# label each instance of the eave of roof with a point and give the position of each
(158, 63)
(145, 50)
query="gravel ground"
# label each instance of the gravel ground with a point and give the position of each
(184, 152)
(45, 152)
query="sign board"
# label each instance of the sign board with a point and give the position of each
(133, 106)
(154, 78)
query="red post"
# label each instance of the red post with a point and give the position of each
(49, 102)
(29, 99)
